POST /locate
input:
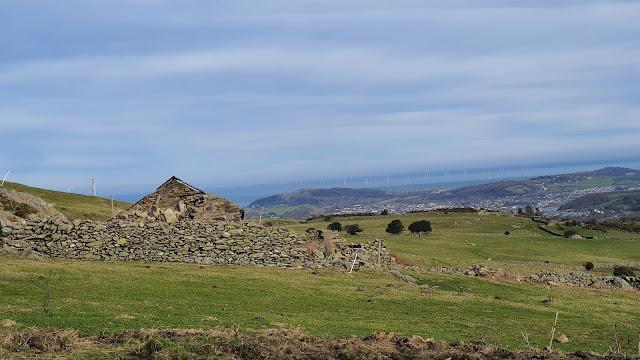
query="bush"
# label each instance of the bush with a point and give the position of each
(23, 211)
(528, 211)
(353, 229)
(588, 266)
(569, 233)
(335, 226)
(395, 227)
(418, 227)
(623, 271)
(384, 212)
(507, 232)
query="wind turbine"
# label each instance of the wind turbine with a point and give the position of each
(5, 177)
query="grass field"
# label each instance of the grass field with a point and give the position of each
(95, 297)
(74, 206)
(462, 239)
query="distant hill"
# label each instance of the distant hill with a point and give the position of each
(544, 191)
(331, 196)
(625, 203)
(73, 206)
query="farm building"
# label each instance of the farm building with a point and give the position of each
(175, 200)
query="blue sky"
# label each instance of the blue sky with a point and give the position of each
(240, 92)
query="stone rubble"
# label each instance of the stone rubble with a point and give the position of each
(577, 279)
(582, 279)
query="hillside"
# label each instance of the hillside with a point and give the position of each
(545, 192)
(103, 298)
(619, 202)
(73, 206)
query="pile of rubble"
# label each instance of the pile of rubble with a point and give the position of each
(18, 207)
(483, 271)
(581, 279)
(175, 200)
(576, 279)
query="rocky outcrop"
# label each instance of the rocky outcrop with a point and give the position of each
(17, 206)
(227, 242)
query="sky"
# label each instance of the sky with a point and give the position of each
(222, 93)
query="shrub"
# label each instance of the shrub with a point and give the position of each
(623, 271)
(528, 210)
(353, 229)
(588, 266)
(335, 226)
(569, 233)
(395, 227)
(384, 212)
(149, 350)
(267, 224)
(24, 211)
(418, 227)
(507, 232)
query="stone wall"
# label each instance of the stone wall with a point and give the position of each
(238, 242)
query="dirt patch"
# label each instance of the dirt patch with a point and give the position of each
(273, 344)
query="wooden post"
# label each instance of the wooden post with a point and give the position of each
(379, 252)
(615, 333)
(553, 331)
(354, 263)
(112, 210)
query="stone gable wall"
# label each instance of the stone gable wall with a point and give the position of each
(237, 242)
(175, 201)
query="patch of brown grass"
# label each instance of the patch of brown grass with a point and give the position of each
(312, 245)
(7, 323)
(274, 344)
(329, 244)
(42, 341)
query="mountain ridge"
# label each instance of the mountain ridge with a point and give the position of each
(543, 191)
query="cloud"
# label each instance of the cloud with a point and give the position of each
(228, 92)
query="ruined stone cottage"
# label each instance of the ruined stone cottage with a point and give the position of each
(176, 200)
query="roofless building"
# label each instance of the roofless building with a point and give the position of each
(176, 200)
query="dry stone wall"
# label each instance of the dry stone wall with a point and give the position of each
(237, 242)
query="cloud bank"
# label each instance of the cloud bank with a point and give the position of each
(232, 92)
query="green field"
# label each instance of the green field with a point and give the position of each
(95, 297)
(74, 206)
(462, 239)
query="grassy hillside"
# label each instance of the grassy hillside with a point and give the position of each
(74, 206)
(625, 202)
(461, 239)
(97, 297)
(93, 297)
